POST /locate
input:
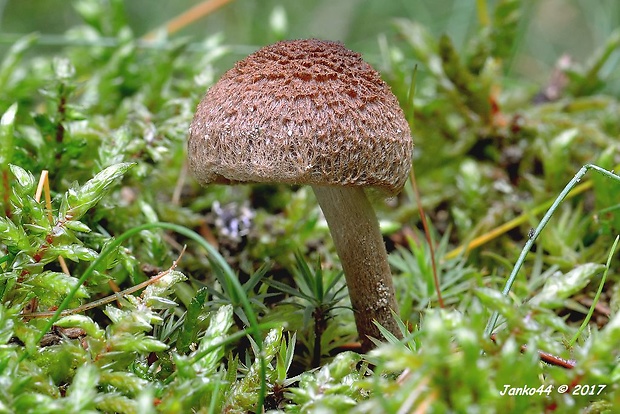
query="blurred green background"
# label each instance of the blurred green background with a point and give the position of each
(549, 28)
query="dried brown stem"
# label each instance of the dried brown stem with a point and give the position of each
(44, 188)
(188, 17)
(427, 234)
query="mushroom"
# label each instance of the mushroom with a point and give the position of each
(313, 112)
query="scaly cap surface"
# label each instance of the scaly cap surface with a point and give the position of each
(301, 112)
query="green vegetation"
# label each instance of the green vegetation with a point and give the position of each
(242, 303)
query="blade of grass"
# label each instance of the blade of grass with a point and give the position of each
(543, 222)
(517, 221)
(483, 13)
(597, 296)
(254, 329)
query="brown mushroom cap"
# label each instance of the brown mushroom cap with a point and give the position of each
(301, 112)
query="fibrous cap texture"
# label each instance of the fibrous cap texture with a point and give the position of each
(301, 112)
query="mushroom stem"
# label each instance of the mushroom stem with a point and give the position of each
(358, 241)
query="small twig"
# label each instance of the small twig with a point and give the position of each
(189, 16)
(108, 299)
(547, 357)
(553, 360)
